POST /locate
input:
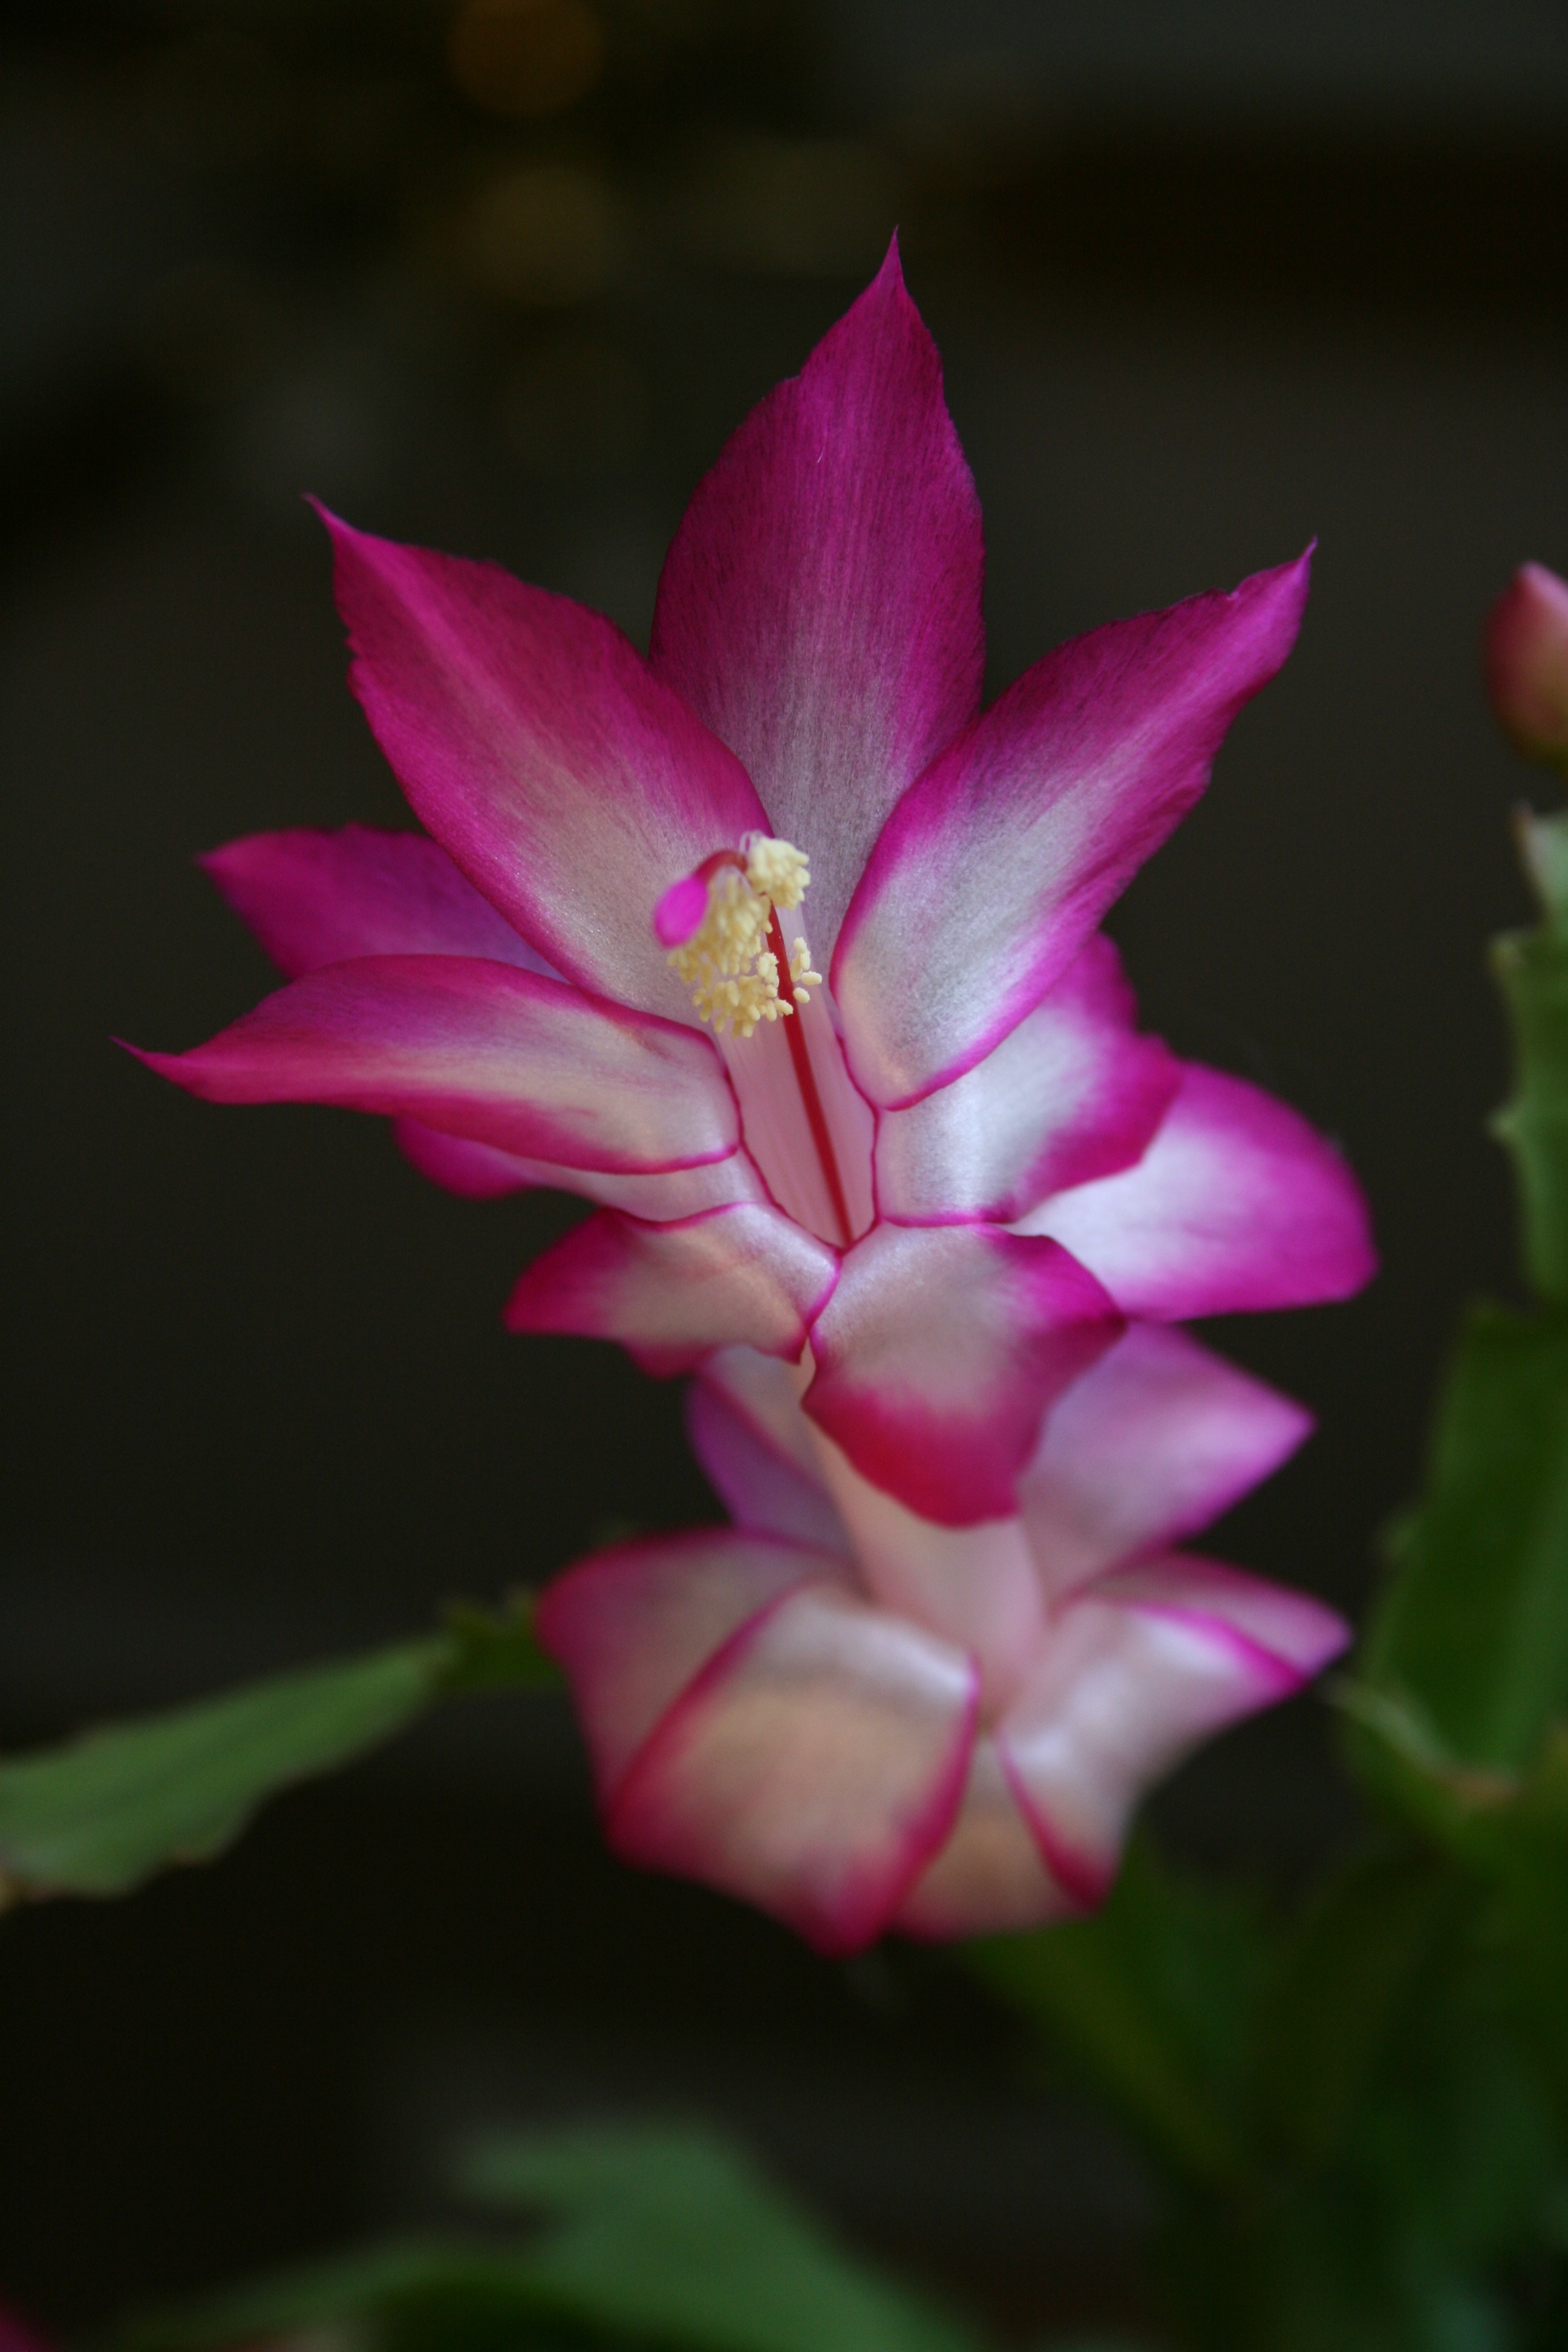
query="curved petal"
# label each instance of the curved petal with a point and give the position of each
(764, 1491)
(813, 1768)
(1154, 1442)
(820, 605)
(314, 897)
(1139, 1669)
(481, 1050)
(477, 1171)
(630, 1627)
(1237, 1204)
(732, 1274)
(989, 1878)
(978, 1587)
(570, 784)
(937, 1354)
(1071, 1094)
(998, 863)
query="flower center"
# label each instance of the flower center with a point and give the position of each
(722, 927)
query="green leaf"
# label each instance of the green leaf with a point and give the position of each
(1151, 1998)
(1531, 970)
(1473, 1627)
(102, 1813)
(673, 2233)
(644, 2236)
(1336, 1993)
(496, 1649)
(426, 2294)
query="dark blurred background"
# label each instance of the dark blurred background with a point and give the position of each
(499, 276)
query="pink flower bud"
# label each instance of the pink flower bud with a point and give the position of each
(1526, 654)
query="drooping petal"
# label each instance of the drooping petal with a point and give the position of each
(939, 1353)
(1237, 1204)
(482, 1050)
(477, 1171)
(813, 1768)
(820, 605)
(998, 863)
(764, 1490)
(989, 1878)
(314, 897)
(1139, 1667)
(978, 1587)
(570, 784)
(674, 1291)
(1071, 1094)
(1155, 1440)
(632, 1625)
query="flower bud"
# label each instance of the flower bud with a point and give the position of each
(1526, 653)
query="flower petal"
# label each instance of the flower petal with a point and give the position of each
(630, 1627)
(477, 1049)
(813, 1768)
(998, 863)
(1071, 1094)
(1139, 1669)
(570, 784)
(767, 1393)
(978, 1587)
(480, 1173)
(314, 898)
(762, 1489)
(1154, 1442)
(937, 1354)
(744, 1274)
(989, 1878)
(1237, 1204)
(820, 605)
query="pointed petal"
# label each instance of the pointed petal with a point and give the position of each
(570, 784)
(477, 1049)
(989, 1878)
(812, 1768)
(480, 1173)
(937, 1355)
(1154, 1442)
(1139, 1669)
(1237, 1204)
(1071, 1094)
(743, 1274)
(763, 1492)
(998, 863)
(630, 1627)
(820, 605)
(314, 898)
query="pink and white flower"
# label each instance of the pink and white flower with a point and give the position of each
(860, 1719)
(943, 1181)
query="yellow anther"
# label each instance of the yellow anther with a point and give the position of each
(777, 869)
(727, 963)
(800, 971)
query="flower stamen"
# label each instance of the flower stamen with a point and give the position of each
(721, 925)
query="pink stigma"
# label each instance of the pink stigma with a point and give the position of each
(681, 912)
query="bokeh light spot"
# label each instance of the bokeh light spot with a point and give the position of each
(526, 56)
